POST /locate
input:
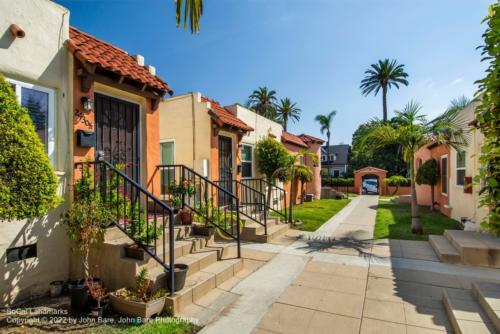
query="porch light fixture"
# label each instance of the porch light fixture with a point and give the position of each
(87, 103)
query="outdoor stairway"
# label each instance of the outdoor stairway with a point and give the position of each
(467, 247)
(253, 231)
(211, 264)
(476, 311)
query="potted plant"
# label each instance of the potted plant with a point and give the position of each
(180, 272)
(85, 224)
(56, 288)
(99, 296)
(177, 193)
(202, 225)
(143, 234)
(139, 301)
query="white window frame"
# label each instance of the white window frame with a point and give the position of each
(330, 157)
(447, 175)
(460, 168)
(250, 161)
(324, 158)
(163, 141)
(51, 128)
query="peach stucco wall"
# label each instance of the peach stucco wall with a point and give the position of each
(314, 187)
(358, 178)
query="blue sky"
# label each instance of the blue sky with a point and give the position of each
(313, 51)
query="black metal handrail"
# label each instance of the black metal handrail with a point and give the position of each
(252, 201)
(275, 196)
(138, 213)
(212, 204)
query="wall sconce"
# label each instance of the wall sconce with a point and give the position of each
(87, 103)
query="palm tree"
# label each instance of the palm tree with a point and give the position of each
(412, 132)
(286, 110)
(383, 74)
(189, 10)
(294, 170)
(263, 101)
(326, 122)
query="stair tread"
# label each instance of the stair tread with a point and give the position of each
(443, 245)
(466, 314)
(488, 295)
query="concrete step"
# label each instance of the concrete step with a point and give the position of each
(180, 232)
(488, 296)
(473, 249)
(273, 232)
(445, 251)
(201, 283)
(465, 314)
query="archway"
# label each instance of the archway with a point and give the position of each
(376, 184)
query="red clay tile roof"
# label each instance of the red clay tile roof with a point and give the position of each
(225, 116)
(309, 138)
(290, 138)
(109, 57)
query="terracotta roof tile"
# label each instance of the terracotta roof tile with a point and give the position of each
(112, 58)
(309, 138)
(225, 116)
(290, 138)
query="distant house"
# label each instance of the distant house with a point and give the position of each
(335, 159)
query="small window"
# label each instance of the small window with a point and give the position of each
(331, 157)
(461, 168)
(21, 253)
(324, 158)
(335, 156)
(167, 158)
(444, 175)
(246, 160)
(336, 173)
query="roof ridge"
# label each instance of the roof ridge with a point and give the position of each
(100, 40)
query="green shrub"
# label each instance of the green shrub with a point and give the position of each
(28, 184)
(271, 155)
(397, 181)
(428, 173)
(330, 181)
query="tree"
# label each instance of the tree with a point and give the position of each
(271, 155)
(488, 122)
(28, 184)
(294, 170)
(383, 75)
(325, 122)
(428, 174)
(189, 10)
(413, 132)
(263, 101)
(286, 110)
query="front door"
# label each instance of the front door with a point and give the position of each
(117, 124)
(225, 167)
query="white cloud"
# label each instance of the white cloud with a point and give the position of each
(456, 81)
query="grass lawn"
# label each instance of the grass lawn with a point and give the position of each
(394, 220)
(159, 325)
(314, 214)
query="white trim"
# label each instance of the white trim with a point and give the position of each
(163, 141)
(251, 161)
(51, 126)
(447, 175)
(461, 186)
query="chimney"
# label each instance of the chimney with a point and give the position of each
(151, 69)
(139, 59)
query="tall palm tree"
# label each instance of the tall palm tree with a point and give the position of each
(286, 110)
(189, 10)
(325, 122)
(383, 75)
(263, 101)
(412, 132)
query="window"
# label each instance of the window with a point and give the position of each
(331, 157)
(460, 168)
(40, 103)
(167, 158)
(335, 156)
(246, 160)
(324, 158)
(21, 253)
(444, 175)
(336, 173)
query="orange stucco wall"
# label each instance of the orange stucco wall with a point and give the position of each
(380, 173)
(314, 187)
(424, 191)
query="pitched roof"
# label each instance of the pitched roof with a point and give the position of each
(290, 138)
(341, 153)
(225, 116)
(109, 57)
(310, 139)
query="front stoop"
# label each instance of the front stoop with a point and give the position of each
(467, 247)
(255, 232)
(472, 312)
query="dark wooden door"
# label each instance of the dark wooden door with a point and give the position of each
(117, 132)
(225, 167)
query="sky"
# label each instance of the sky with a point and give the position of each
(313, 51)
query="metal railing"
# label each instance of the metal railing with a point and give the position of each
(252, 201)
(275, 197)
(138, 213)
(211, 204)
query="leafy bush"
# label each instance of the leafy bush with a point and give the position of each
(270, 156)
(428, 173)
(488, 122)
(397, 181)
(330, 181)
(28, 184)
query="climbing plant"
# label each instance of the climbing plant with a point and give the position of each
(488, 121)
(28, 184)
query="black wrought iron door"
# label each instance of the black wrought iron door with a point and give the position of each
(225, 167)
(117, 132)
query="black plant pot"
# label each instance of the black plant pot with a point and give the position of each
(180, 272)
(79, 295)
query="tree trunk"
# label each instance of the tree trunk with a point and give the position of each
(302, 190)
(285, 122)
(328, 139)
(416, 227)
(292, 197)
(432, 197)
(384, 103)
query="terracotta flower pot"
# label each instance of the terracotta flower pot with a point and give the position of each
(186, 216)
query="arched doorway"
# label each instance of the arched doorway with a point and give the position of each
(370, 180)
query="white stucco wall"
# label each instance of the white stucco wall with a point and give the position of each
(465, 204)
(40, 58)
